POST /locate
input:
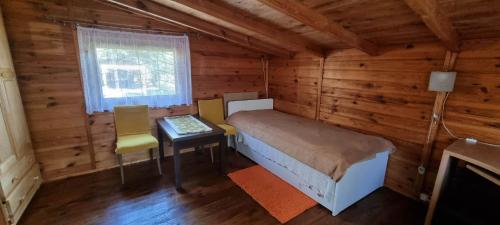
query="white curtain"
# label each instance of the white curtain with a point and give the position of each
(129, 68)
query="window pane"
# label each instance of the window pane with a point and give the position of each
(137, 72)
(132, 68)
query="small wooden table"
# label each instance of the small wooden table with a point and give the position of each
(480, 155)
(180, 142)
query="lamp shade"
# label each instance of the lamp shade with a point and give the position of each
(442, 81)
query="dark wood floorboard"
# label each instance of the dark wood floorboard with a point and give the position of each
(210, 198)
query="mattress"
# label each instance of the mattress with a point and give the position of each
(325, 147)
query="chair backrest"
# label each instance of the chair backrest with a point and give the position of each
(131, 120)
(211, 110)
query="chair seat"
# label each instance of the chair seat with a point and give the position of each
(136, 142)
(230, 130)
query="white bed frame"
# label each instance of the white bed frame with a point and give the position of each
(360, 179)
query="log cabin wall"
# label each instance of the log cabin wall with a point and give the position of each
(473, 108)
(387, 95)
(67, 142)
(293, 83)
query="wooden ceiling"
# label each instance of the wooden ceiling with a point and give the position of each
(318, 26)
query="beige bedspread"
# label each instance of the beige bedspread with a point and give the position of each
(326, 148)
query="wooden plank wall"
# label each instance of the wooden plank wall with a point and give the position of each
(384, 95)
(387, 95)
(293, 83)
(66, 141)
(473, 108)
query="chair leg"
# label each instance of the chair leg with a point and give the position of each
(157, 153)
(234, 143)
(212, 153)
(120, 161)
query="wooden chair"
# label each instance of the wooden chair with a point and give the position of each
(213, 111)
(133, 133)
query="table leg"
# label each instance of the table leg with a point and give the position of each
(441, 177)
(197, 152)
(222, 149)
(177, 168)
(160, 141)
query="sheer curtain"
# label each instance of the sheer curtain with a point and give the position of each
(128, 68)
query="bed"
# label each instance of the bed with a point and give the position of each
(359, 180)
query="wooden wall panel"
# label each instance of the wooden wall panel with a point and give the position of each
(387, 95)
(384, 95)
(47, 69)
(293, 83)
(473, 108)
(47, 66)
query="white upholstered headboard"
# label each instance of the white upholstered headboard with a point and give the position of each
(238, 96)
(247, 105)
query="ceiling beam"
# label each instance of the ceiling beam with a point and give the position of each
(430, 12)
(236, 19)
(161, 13)
(321, 23)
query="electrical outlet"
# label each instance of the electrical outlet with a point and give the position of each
(424, 197)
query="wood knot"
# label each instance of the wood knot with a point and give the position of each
(380, 98)
(141, 5)
(494, 125)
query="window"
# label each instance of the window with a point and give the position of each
(126, 68)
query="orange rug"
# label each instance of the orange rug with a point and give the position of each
(280, 199)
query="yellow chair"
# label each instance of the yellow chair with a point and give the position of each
(213, 111)
(133, 133)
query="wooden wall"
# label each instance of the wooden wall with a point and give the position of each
(67, 141)
(293, 83)
(387, 95)
(384, 95)
(473, 108)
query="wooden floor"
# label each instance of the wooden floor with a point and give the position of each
(210, 199)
